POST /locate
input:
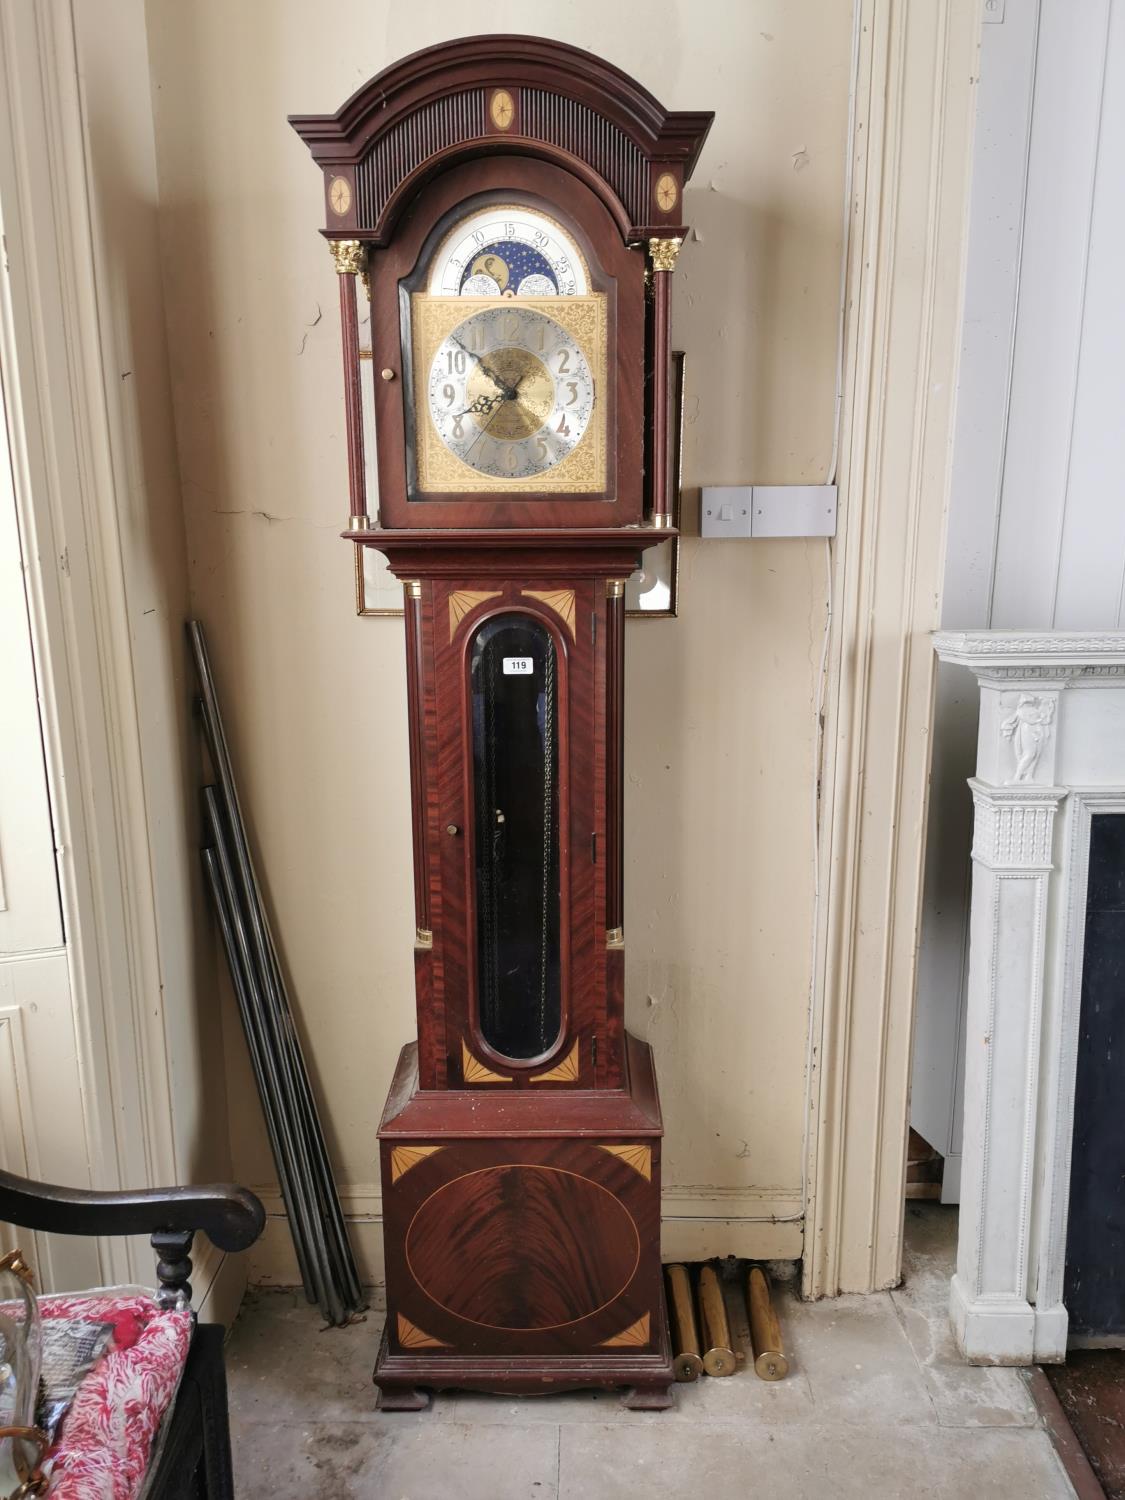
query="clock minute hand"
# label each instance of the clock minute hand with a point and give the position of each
(506, 390)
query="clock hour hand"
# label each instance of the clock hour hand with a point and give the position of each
(482, 405)
(484, 429)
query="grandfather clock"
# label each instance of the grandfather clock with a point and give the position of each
(512, 207)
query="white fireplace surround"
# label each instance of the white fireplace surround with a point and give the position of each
(1050, 754)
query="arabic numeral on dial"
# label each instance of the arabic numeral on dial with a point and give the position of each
(509, 328)
(458, 425)
(450, 394)
(564, 362)
(509, 231)
(511, 460)
(539, 238)
(564, 426)
(478, 237)
(572, 387)
(455, 361)
(542, 452)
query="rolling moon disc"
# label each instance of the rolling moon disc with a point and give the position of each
(536, 285)
(480, 285)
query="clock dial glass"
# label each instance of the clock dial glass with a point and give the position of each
(508, 251)
(510, 392)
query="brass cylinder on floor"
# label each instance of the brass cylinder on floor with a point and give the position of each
(765, 1331)
(686, 1358)
(718, 1348)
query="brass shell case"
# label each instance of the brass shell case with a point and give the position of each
(770, 1362)
(719, 1357)
(687, 1360)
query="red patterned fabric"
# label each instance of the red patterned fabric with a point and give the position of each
(105, 1442)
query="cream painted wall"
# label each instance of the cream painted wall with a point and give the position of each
(721, 703)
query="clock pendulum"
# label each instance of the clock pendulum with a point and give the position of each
(512, 207)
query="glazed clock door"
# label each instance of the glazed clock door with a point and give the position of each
(510, 315)
(517, 831)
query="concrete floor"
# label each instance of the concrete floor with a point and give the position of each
(876, 1404)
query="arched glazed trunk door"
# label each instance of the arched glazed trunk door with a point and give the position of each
(518, 833)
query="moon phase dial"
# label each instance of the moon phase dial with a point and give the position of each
(508, 251)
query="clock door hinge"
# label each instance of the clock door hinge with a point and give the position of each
(594, 627)
(593, 848)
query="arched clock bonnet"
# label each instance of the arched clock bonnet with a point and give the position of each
(555, 123)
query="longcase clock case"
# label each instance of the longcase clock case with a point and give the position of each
(523, 462)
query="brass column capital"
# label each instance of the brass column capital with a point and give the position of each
(664, 253)
(350, 256)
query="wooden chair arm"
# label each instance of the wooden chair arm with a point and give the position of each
(232, 1217)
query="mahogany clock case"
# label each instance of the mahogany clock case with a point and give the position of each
(615, 271)
(520, 1144)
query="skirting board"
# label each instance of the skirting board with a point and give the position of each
(694, 1226)
(218, 1283)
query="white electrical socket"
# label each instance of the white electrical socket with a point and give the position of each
(768, 510)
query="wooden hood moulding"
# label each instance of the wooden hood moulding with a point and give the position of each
(564, 105)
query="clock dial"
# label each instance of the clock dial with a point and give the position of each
(510, 392)
(521, 252)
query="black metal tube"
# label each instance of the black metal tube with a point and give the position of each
(254, 1044)
(331, 1229)
(278, 1124)
(287, 1068)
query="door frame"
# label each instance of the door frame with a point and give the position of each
(911, 161)
(69, 474)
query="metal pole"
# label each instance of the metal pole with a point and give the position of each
(278, 1124)
(294, 1081)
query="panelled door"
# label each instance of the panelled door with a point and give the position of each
(41, 1127)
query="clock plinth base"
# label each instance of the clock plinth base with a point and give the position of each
(522, 1233)
(404, 1380)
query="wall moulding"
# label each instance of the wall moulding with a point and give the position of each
(759, 1225)
(97, 501)
(911, 168)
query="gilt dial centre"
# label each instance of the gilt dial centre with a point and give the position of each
(526, 393)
